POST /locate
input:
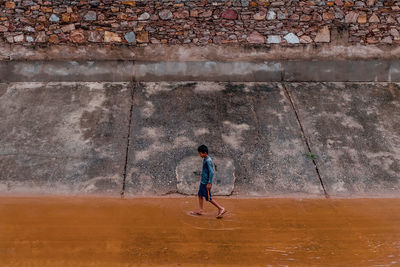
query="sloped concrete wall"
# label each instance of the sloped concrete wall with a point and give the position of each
(354, 129)
(63, 138)
(250, 127)
(267, 139)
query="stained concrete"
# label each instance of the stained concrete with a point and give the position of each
(340, 71)
(394, 72)
(66, 71)
(241, 71)
(354, 130)
(71, 138)
(210, 52)
(63, 138)
(108, 71)
(213, 71)
(250, 129)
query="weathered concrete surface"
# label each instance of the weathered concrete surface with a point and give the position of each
(249, 124)
(340, 71)
(55, 232)
(63, 138)
(15, 71)
(218, 53)
(208, 71)
(66, 71)
(71, 138)
(354, 129)
(239, 71)
(394, 72)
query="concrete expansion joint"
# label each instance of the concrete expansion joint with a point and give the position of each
(133, 87)
(287, 93)
(282, 73)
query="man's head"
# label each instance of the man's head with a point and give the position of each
(203, 151)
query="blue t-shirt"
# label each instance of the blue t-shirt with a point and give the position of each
(207, 173)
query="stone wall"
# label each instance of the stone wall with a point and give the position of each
(138, 23)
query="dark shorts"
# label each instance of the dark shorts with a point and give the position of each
(204, 193)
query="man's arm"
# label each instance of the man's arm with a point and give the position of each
(210, 174)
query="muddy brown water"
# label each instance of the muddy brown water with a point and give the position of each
(87, 231)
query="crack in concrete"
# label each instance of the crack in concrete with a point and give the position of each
(133, 88)
(287, 93)
(255, 116)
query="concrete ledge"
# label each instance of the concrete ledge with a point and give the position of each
(219, 53)
(207, 71)
(65, 71)
(241, 71)
(340, 71)
(106, 71)
(394, 71)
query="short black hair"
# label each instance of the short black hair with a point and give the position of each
(203, 149)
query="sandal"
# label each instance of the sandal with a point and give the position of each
(219, 216)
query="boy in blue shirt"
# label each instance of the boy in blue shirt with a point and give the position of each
(207, 175)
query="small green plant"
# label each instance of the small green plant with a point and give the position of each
(310, 155)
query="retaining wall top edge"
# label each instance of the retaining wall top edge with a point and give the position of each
(224, 53)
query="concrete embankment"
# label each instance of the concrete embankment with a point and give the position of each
(268, 139)
(311, 121)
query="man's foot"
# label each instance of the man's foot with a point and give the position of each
(221, 212)
(197, 213)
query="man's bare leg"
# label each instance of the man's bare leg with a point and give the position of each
(221, 210)
(201, 208)
(201, 205)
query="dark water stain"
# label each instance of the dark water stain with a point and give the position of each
(264, 88)
(231, 87)
(3, 89)
(175, 86)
